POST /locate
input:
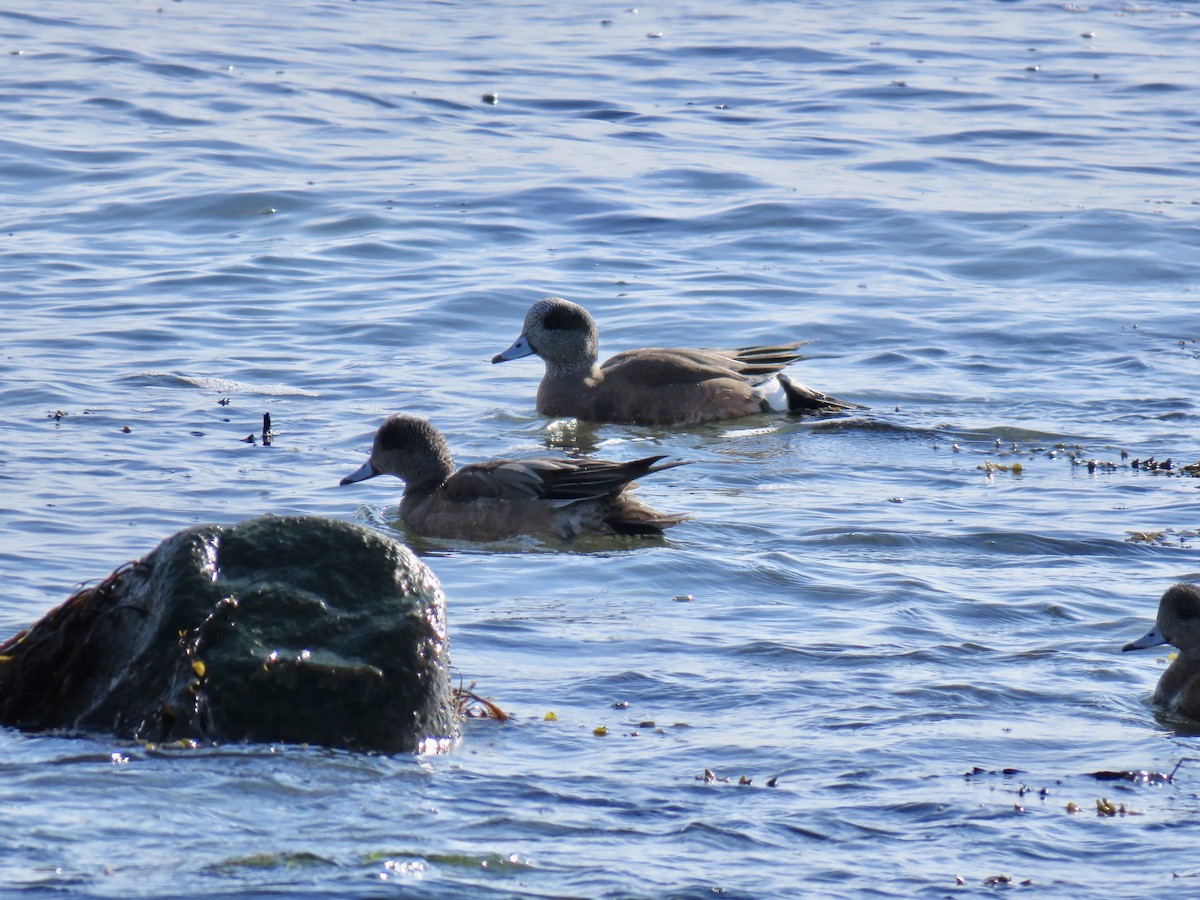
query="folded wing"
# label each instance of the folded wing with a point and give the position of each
(658, 366)
(566, 480)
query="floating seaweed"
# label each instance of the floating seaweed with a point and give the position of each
(1105, 808)
(711, 777)
(1141, 777)
(1167, 537)
(990, 468)
(470, 705)
(300, 860)
(977, 770)
(1152, 465)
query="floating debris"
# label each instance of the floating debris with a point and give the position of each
(1152, 465)
(470, 705)
(711, 777)
(1142, 777)
(272, 861)
(1107, 809)
(1168, 537)
(976, 770)
(1145, 537)
(990, 467)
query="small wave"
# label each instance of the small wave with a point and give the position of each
(220, 385)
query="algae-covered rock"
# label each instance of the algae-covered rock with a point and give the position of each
(296, 629)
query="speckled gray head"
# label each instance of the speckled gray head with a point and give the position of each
(408, 447)
(1177, 623)
(561, 332)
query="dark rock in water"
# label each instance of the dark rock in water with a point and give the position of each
(295, 629)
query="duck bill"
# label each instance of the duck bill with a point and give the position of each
(1152, 638)
(365, 471)
(519, 348)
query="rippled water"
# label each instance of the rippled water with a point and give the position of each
(985, 217)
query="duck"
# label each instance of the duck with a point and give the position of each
(1178, 624)
(652, 386)
(506, 498)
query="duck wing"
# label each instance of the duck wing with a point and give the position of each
(658, 366)
(760, 363)
(546, 479)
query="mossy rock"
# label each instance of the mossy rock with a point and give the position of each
(292, 629)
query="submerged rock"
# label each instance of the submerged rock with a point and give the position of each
(295, 629)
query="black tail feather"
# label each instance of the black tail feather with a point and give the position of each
(802, 399)
(760, 363)
(596, 478)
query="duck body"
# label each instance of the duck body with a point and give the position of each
(505, 498)
(1178, 624)
(655, 386)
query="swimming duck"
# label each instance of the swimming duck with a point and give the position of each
(651, 386)
(1178, 624)
(503, 498)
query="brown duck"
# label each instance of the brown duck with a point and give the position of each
(654, 385)
(504, 498)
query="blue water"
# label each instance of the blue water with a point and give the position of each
(984, 216)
